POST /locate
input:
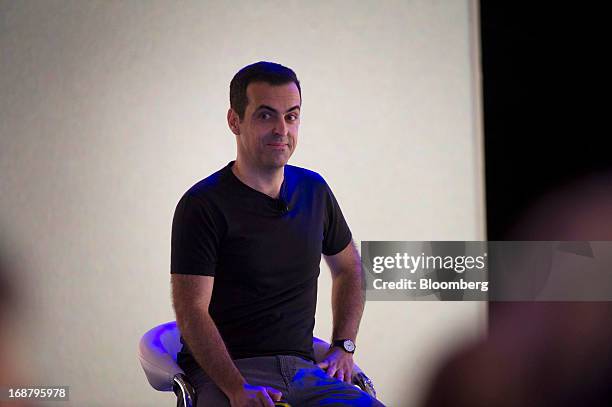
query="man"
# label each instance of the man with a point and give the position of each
(246, 248)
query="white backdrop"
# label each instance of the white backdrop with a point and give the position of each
(110, 110)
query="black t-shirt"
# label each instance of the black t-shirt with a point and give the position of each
(264, 254)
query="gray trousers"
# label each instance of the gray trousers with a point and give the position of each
(301, 382)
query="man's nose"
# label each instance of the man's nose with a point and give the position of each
(280, 127)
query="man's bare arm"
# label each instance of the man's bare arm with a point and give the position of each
(191, 298)
(347, 292)
(347, 308)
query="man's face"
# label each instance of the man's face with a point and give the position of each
(268, 134)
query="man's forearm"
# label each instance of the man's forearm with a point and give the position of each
(208, 349)
(347, 302)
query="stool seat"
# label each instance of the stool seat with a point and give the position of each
(157, 352)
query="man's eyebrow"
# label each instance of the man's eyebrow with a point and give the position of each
(296, 107)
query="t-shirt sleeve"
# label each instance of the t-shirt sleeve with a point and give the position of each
(336, 234)
(195, 238)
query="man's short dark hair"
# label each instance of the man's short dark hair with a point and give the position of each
(268, 72)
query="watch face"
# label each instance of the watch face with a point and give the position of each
(349, 345)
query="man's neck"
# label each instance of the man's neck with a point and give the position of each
(263, 180)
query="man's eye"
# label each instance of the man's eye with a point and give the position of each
(265, 116)
(292, 117)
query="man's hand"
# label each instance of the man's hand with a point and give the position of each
(255, 396)
(339, 364)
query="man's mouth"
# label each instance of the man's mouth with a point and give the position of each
(277, 145)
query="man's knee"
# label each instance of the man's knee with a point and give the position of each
(317, 387)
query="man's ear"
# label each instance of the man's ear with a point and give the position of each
(232, 121)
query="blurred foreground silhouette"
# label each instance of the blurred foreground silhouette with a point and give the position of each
(12, 371)
(541, 353)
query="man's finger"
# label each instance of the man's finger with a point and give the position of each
(340, 375)
(274, 394)
(265, 400)
(347, 373)
(323, 365)
(331, 371)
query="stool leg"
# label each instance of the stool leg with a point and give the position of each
(186, 395)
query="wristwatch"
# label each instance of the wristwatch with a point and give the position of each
(346, 344)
